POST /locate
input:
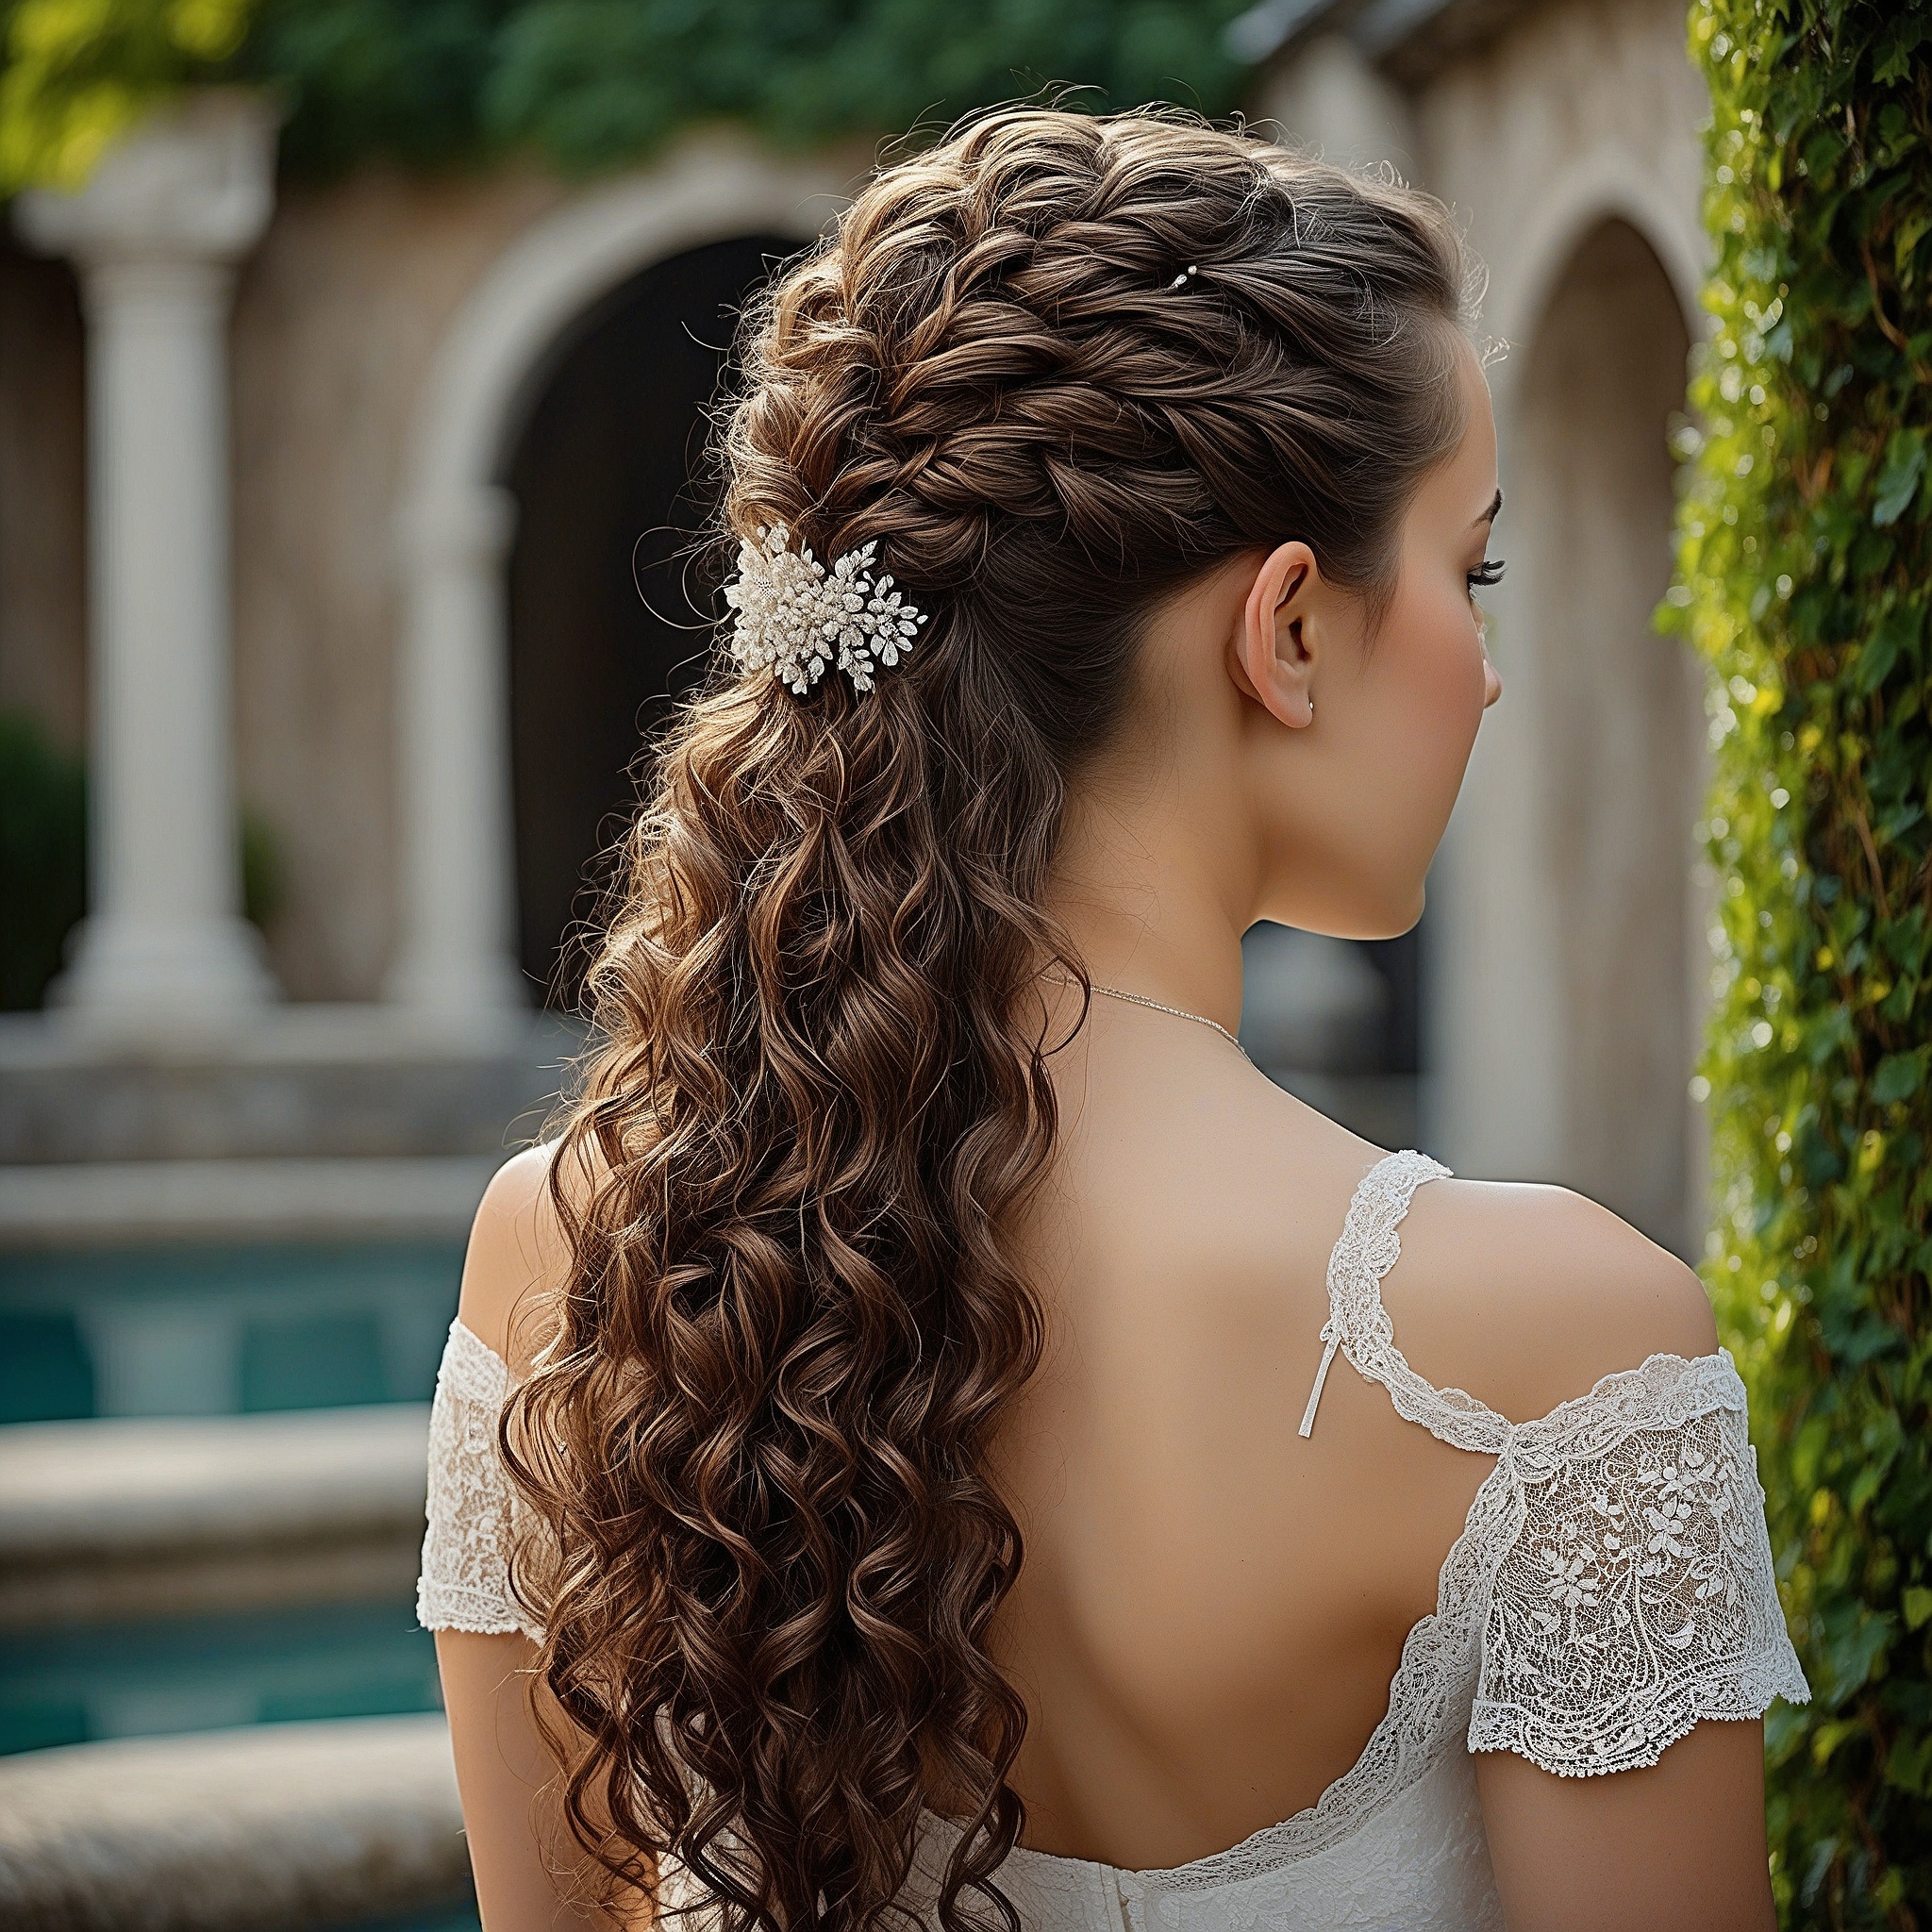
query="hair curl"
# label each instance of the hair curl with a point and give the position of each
(761, 1431)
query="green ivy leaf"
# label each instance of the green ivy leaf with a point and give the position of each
(1910, 1763)
(1900, 1075)
(1898, 479)
(1897, 636)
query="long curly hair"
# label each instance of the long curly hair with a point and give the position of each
(1056, 367)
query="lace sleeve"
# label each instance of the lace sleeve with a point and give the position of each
(1639, 1595)
(473, 1513)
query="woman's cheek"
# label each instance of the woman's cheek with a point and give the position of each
(1452, 690)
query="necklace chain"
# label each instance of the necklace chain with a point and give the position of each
(1138, 999)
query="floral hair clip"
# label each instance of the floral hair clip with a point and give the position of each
(798, 618)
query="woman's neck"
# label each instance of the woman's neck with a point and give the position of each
(1149, 910)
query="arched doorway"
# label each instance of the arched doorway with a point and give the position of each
(1619, 719)
(608, 487)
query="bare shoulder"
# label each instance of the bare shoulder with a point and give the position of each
(515, 1251)
(1527, 1294)
(1251, 1191)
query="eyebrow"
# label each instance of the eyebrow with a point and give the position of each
(1495, 510)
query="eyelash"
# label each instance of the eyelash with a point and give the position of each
(1490, 573)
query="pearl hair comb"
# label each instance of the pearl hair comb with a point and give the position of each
(798, 618)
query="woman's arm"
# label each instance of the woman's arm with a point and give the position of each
(530, 1873)
(525, 1861)
(1679, 1847)
(1639, 1593)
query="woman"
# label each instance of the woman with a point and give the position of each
(921, 1210)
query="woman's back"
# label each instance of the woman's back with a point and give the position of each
(1213, 1605)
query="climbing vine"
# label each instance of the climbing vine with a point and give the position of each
(1804, 575)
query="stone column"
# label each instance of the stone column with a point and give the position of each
(156, 234)
(456, 969)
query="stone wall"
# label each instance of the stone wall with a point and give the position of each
(1579, 102)
(1620, 724)
(1561, 945)
(337, 315)
(1581, 111)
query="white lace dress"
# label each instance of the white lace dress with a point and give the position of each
(1612, 1586)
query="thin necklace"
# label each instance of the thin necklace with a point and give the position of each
(1137, 999)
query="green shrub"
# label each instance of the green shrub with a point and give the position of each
(42, 858)
(1804, 570)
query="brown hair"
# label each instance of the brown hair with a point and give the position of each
(792, 1322)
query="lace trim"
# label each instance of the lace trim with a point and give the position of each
(1457, 1659)
(1365, 1252)
(1639, 1595)
(474, 1370)
(1663, 1392)
(1461, 1665)
(475, 1516)
(1360, 1326)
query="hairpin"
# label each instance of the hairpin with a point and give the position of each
(1180, 281)
(798, 618)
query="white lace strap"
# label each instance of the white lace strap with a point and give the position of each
(1358, 1325)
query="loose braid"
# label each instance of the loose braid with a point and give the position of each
(791, 1322)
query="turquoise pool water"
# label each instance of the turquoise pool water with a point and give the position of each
(83, 1682)
(211, 1330)
(175, 1329)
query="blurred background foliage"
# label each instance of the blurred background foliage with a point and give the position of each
(586, 84)
(42, 858)
(78, 72)
(1805, 571)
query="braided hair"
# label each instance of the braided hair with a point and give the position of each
(1055, 366)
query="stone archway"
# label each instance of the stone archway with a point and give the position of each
(1621, 719)
(456, 964)
(602, 628)
(1573, 1029)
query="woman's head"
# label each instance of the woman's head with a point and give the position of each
(1219, 773)
(1098, 389)
(1060, 370)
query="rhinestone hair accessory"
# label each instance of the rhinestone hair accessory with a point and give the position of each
(799, 618)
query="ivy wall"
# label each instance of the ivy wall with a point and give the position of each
(1804, 570)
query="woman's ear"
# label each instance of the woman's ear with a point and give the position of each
(1274, 656)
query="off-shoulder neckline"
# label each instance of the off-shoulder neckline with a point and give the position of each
(1335, 1813)
(1277, 1843)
